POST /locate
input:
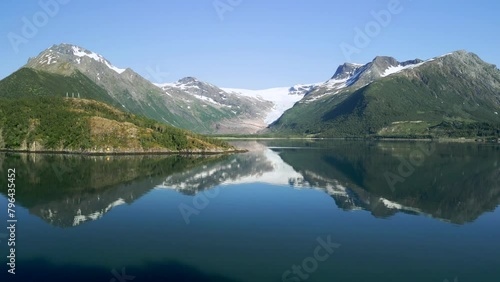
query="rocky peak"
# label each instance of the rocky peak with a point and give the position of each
(188, 81)
(301, 89)
(78, 57)
(384, 62)
(346, 70)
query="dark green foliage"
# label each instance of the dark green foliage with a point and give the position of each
(52, 178)
(43, 118)
(28, 82)
(57, 123)
(456, 129)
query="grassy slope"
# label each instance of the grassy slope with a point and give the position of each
(86, 125)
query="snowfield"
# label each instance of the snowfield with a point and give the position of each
(283, 98)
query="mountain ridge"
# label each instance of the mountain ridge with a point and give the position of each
(453, 95)
(320, 109)
(194, 105)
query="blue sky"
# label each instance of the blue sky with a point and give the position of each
(249, 43)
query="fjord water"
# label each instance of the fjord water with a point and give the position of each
(396, 211)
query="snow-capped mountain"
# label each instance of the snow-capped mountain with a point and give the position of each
(188, 103)
(256, 107)
(283, 98)
(66, 53)
(354, 76)
(386, 97)
(222, 112)
(99, 79)
(304, 108)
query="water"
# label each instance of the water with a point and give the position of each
(385, 211)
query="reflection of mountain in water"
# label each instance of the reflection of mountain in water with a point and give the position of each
(260, 164)
(67, 190)
(452, 182)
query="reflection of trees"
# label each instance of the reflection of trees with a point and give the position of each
(66, 190)
(457, 182)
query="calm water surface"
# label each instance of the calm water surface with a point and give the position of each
(285, 211)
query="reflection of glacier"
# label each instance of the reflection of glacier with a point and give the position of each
(352, 174)
(457, 189)
(263, 166)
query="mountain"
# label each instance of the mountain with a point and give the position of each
(455, 95)
(238, 110)
(354, 76)
(125, 88)
(67, 70)
(216, 110)
(88, 126)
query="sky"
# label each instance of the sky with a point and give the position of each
(252, 44)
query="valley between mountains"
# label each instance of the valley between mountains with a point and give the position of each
(69, 98)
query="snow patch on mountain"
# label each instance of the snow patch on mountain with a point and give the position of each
(400, 68)
(207, 99)
(77, 51)
(396, 69)
(48, 59)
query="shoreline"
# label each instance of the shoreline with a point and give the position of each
(124, 153)
(443, 140)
